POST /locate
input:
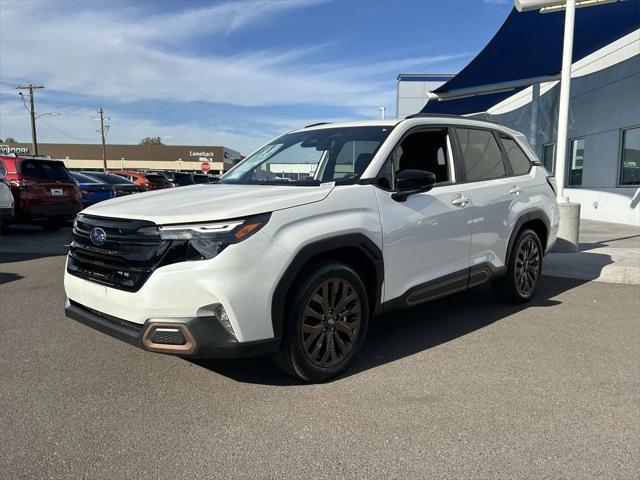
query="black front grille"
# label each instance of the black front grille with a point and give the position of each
(126, 259)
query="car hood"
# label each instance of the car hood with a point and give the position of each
(204, 203)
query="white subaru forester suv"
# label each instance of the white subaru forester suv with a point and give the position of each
(308, 238)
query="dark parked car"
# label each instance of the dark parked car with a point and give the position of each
(45, 193)
(151, 181)
(93, 190)
(121, 185)
(202, 178)
(181, 179)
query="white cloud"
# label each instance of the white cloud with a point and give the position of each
(123, 54)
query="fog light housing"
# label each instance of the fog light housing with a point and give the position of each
(168, 336)
(221, 315)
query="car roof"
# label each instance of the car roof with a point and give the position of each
(417, 119)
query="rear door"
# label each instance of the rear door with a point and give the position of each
(491, 191)
(427, 236)
(48, 182)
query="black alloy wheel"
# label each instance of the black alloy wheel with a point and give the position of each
(331, 322)
(523, 270)
(326, 324)
(527, 266)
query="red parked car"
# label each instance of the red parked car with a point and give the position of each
(44, 191)
(151, 181)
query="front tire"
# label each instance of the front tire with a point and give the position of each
(524, 269)
(327, 323)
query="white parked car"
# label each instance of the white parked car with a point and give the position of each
(6, 203)
(396, 213)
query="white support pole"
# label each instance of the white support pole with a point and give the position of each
(535, 107)
(565, 91)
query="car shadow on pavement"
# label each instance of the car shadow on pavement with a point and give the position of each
(29, 242)
(7, 277)
(403, 333)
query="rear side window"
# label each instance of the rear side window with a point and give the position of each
(44, 170)
(481, 155)
(519, 161)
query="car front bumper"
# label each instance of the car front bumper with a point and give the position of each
(202, 337)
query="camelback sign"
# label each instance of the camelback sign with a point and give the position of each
(11, 149)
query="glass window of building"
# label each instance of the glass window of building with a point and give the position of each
(630, 168)
(549, 157)
(576, 161)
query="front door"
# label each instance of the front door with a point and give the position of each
(427, 236)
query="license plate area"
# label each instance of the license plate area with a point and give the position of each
(57, 192)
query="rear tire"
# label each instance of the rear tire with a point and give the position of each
(524, 269)
(326, 325)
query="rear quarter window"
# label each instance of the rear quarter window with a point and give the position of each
(518, 160)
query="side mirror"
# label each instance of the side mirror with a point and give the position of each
(409, 182)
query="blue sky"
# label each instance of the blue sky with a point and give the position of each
(231, 73)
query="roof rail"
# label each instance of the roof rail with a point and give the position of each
(316, 124)
(436, 115)
(468, 116)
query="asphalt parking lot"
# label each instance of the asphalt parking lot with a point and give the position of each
(460, 388)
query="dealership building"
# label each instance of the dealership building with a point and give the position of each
(134, 157)
(514, 81)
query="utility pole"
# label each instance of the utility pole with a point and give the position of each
(31, 87)
(104, 149)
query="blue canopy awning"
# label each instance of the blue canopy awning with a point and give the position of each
(529, 46)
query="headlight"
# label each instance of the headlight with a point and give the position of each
(206, 240)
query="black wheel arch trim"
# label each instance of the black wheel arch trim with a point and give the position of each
(350, 240)
(525, 217)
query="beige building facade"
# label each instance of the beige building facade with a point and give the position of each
(134, 157)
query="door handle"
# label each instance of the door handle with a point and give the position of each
(515, 190)
(461, 201)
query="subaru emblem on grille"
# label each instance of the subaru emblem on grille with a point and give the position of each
(98, 236)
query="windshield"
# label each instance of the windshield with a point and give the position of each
(311, 157)
(44, 170)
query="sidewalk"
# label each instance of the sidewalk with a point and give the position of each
(609, 252)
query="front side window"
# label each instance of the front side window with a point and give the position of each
(576, 161)
(423, 150)
(481, 156)
(549, 157)
(520, 164)
(311, 157)
(630, 169)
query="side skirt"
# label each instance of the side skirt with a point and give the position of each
(447, 285)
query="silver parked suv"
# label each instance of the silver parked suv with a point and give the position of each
(301, 243)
